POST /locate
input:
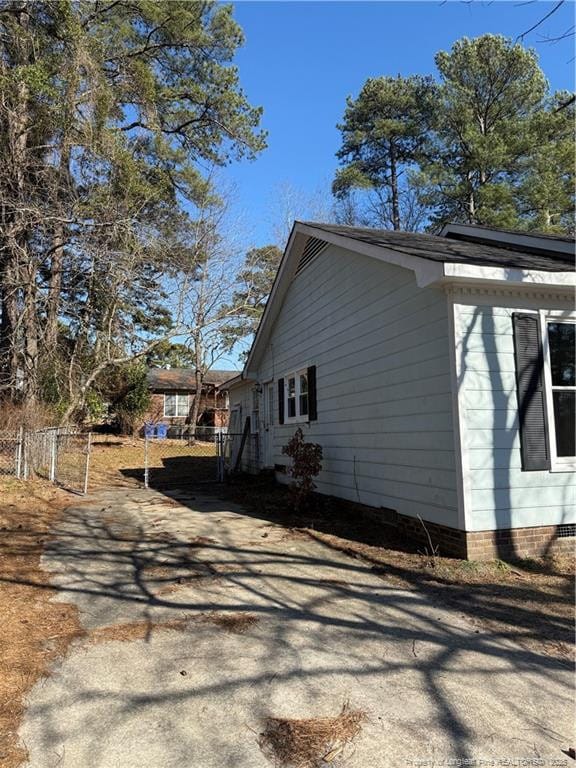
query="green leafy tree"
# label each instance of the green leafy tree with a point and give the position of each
(130, 396)
(384, 135)
(255, 282)
(107, 114)
(546, 190)
(173, 354)
(491, 89)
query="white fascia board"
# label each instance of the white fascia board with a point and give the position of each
(510, 275)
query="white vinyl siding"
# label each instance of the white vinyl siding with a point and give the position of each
(499, 493)
(380, 346)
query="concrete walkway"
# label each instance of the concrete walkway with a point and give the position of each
(328, 631)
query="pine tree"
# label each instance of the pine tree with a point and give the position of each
(384, 135)
(490, 91)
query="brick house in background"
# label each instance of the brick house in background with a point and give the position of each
(172, 397)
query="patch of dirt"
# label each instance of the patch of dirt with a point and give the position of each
(34, 632)
(192, 575)
(136, 630)
(529, 601)
(238, 623)
(310, 743)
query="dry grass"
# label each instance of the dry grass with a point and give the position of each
(237, 623)
(33, 631)
(136, 630)
(117, 461)
(113, 458)
(312, 742)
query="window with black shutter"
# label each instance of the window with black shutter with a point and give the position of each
(297, 396)
(530, 389)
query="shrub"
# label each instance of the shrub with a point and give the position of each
(306, 464)
(133, 396)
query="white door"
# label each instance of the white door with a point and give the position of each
(268, 426)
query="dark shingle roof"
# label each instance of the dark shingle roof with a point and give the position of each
(184, 378)
(442, 249)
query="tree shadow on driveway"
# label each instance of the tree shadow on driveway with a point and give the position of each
(329, 627)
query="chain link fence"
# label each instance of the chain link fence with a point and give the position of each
(181, 459)
(58, 454)
(12, 453)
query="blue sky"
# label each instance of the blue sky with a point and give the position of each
(301, 60)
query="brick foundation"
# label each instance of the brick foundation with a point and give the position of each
(488, 545)
(517, 542)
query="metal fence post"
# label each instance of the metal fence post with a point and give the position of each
(145, 462)
(87, 465)
(25, 451)
(53, 451)
(19, 451)
(218, 457)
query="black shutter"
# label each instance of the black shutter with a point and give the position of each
(280, 401)
(312, 404)
(530, 388)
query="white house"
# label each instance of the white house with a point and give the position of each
(437, 373)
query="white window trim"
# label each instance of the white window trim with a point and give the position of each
(178, 397)
(557, 463)
(299, 418)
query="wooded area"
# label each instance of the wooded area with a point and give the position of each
(109, 112)
(116, 245)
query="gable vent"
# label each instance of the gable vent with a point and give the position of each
(313, 247)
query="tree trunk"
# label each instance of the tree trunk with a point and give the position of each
(8, 333)
(54, 287)
(394, 187)
(195, 410)
(15, 253)
(30, 335)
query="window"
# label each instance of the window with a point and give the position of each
(560, 373)
(296, 394)
(303, 397)
(291, 397)
(176, 405)
(255, 415)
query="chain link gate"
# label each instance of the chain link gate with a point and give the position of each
(183, 458)
(73, 460)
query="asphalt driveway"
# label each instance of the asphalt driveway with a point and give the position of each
(201, 621)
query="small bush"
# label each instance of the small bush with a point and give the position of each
(132, 398)
(306, 465)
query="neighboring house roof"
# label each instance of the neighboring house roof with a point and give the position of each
(185, 378)
(445, 249)
(462, 253)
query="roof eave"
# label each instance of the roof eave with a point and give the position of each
(473, 273)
